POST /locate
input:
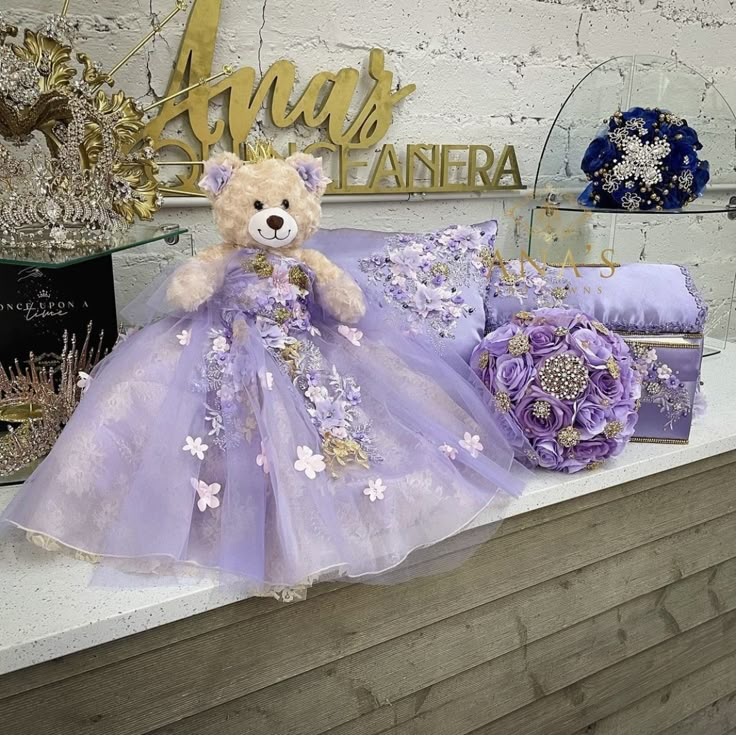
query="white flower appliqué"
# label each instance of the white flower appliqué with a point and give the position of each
(195, 447)
(207, 494)
(664, 372)
(351, 334)
(220, 344)
(184, 337)
(428, 299)
(449, 451)
(85, 380)
(317, 393)
(262, 460)
(471, 443)
(309, 463)
(215, 419)
(375, 490)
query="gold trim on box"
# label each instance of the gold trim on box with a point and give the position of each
(650, 335)
(674, 345)
(654, 440)
(689, 343)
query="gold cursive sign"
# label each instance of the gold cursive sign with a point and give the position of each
(350, 146)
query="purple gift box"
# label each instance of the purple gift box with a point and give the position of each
(655, 307)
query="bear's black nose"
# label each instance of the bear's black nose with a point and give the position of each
(275, 222)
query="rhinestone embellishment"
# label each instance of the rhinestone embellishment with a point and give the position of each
(639, 349)
(503, 402)
(524, 316)
(613, 367)
(564, 377)
(483, 359)
(541, 409)
(612, 429)
(519, 344)
(568, 437)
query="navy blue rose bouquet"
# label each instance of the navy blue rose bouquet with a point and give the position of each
(644, 159)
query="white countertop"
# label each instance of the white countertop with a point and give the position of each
(48, 607)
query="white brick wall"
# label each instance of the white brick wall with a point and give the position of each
(487, 71)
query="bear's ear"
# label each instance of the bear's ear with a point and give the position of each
(217, 172)
(310, 171)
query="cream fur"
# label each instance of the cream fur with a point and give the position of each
(270, 183)
(197, 280)
(337, 292)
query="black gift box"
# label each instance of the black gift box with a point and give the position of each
(38, 304)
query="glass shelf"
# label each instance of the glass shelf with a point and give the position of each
(41, 255)
(20, 476)
(694, 208)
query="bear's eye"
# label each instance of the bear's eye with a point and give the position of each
(258, 204)
(285, 204)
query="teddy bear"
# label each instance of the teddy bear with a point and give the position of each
(273, 206)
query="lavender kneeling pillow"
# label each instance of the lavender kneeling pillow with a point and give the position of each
(432, 283)
(641, 298)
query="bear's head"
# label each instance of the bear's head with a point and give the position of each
(270, 204)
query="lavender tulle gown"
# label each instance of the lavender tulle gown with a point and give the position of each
(257, 437)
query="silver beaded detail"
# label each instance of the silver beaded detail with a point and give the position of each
(568, 437)
(503, 402)
(564, 377)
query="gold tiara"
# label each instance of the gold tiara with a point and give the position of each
(260, 150)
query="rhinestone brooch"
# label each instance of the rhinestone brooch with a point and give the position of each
(564, 377)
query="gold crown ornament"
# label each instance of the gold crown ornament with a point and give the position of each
(260, 149)
(72, 170)
(36, 401)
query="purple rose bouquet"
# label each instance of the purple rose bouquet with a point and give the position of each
(565, 387)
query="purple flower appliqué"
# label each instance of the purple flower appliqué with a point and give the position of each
(352, 395)
(427, 275)
(216, 175)
(311, 174)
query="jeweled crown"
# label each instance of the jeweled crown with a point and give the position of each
(69, 173)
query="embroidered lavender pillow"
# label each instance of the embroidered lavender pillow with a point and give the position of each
(433, 282)
(648, 298)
